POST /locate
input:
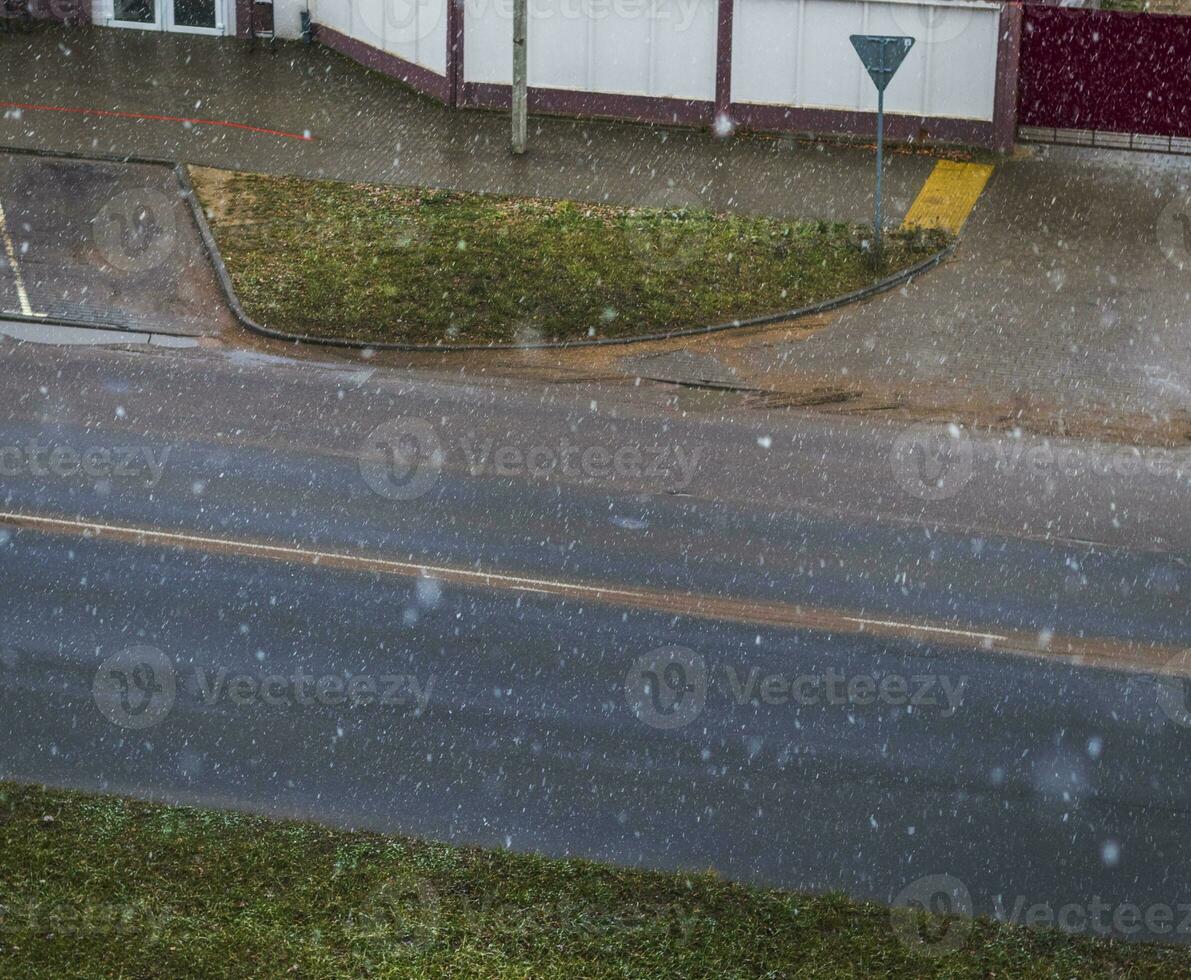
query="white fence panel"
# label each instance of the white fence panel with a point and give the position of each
(797, 53)
(414, 30)
(661, 48)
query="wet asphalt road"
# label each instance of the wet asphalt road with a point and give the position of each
(520, 719)
(1037, 781)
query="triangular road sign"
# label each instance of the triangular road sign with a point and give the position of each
(882, 55)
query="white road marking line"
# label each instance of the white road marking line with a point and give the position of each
(969, 634)
(1150, 659)
(10, 249)
(410, 569)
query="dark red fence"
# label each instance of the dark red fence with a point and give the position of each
(1108, 70)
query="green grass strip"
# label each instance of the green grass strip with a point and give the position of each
(419, 266)
(99, 886)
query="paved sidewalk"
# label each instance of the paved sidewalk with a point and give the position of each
(368, 127)
(1072, 288)
(1067, 308)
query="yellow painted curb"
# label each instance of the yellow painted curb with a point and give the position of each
(948, 196)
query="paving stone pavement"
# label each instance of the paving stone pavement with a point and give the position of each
(107, 245)
(1071, 288)
(367, 127)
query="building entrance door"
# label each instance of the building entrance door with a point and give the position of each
(190, 16)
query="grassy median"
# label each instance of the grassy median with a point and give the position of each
(411, 265)
(99, 886)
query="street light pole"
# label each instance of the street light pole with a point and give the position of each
(520, 76)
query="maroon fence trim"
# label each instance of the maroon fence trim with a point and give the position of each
(415, 76)
(455, 21)
(694, 112)
(1114, 71)
(723, 59)
(567, 102)
(74, 13)
(840, 122)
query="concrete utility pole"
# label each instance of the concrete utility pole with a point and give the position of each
(520, 76)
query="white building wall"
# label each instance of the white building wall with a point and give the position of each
(784, 52)
(661, 48)
(797, 53)
(414, 30)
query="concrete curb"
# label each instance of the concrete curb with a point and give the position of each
(237, 310)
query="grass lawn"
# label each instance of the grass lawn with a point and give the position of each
(411, 265)
(99, 886)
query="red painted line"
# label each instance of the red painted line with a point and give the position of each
(155, 118)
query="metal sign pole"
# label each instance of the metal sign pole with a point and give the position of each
(520, 76)
(881, 56)
(877, 224)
